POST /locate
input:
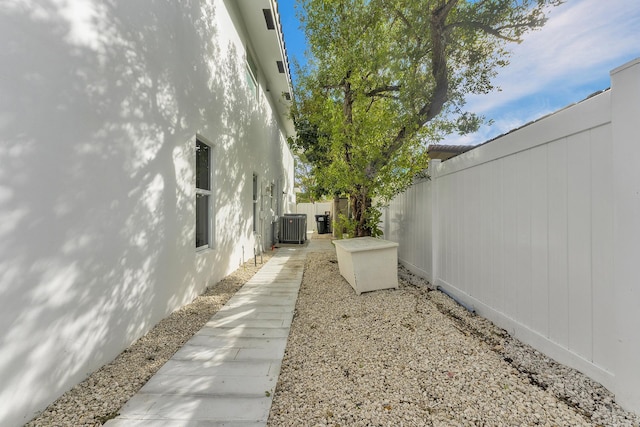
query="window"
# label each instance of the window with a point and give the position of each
(271, 193)
(255, 202)
(251, 72)
(203, 195)
(278, 196)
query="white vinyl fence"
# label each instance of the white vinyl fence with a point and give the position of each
(313, 209)
(539, 231)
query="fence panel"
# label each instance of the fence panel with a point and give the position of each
(313, 209)
(524, 230)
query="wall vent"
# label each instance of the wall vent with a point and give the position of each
(268, 18)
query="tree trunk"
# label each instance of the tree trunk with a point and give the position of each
(360, 203)
(336, 213)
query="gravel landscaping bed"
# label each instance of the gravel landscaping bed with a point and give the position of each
(413, 357)
(100, 397)
(407, 357)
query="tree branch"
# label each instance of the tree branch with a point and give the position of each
(383, 89)
(347, 110)
(488, 29)
(403, 18)
(440, 73)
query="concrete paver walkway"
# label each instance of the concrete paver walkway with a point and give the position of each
(226, 374)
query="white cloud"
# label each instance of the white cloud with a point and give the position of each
(581, 41)
(568, 59)
(500, 126)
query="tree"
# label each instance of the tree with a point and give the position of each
(304, 180)
(386, 76)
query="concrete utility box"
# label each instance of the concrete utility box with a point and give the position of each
(368, 264)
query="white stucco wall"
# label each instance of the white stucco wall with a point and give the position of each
(100, 103)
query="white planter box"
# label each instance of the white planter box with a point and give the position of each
(368, 263)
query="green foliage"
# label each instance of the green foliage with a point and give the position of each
(386, 77)
(344, 227)
(373, 216)
(304, 180)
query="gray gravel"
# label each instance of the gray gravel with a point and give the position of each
(412, 357)
(100, 397)
(407, 357)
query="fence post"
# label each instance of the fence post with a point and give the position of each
(625, 107)
(434, 165)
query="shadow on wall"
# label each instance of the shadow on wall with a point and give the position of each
(99, 109)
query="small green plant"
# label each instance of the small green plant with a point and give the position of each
(373, 217)
(344, 227)
(267, 393)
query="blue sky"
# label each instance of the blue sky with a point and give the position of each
(566, 61)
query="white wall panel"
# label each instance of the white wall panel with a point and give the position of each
(510, 192)
(458, 212)
(427, 208)
(473, 221)
(445, 196)
(558, 274)
(484, 224)
(464, 242)
(539, 241)
(523, 281)
(579, 243)
(496, 285)
(602, 247)
(413, 230)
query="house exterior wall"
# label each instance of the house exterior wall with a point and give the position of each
(539, 231)
(100, 106)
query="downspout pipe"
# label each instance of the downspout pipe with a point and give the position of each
(468, 307)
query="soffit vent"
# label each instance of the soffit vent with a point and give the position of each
(280, 67)
(268, 19)
(287, 96)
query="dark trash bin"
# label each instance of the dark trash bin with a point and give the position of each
(322, 221)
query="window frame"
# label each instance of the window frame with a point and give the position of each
(251, 71)
(255, 197)
(204, 192)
